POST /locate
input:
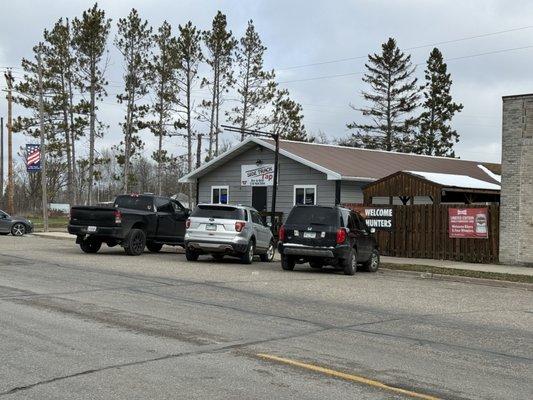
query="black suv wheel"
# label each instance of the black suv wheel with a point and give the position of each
(349, 265)
(287, 263)
(191, 255)
(372, 264)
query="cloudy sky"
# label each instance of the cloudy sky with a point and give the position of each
(489, 45)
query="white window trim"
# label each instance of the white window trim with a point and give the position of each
(219, 187)
(304, 187)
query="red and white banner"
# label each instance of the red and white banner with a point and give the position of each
(468, 223)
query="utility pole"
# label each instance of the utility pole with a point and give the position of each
(43, 149)
(10, 183)
(2, 160)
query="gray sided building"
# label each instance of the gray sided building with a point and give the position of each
(311, 173)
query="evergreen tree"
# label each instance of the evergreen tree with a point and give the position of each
(89, 39)
(393, 98)
(287, 118)
(59, 58)
(255, 86)
(189, 57)
(220, 45)
(134, 41)
(436, 135)
(165, 85)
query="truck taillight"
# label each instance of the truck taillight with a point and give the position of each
(341, 235)
(118, 216)
(188, 223)
(282, 233)
(239, 226)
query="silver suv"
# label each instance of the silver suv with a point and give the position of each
(233, 230)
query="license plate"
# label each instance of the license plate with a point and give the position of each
(211, 227)
(309, 235)
(91, 229)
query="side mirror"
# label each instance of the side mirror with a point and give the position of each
(372, 230)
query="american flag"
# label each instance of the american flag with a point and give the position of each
(33, 157)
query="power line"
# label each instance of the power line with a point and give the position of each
(417, 64)
(339, 60)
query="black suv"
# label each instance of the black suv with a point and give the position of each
(327, 236)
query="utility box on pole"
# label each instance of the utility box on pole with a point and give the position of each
(516, 206)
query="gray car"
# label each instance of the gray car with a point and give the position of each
(17, 226)
(233, 230)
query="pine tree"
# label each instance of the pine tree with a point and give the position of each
(436, 135)
(220, 45)
(134, 41)
(287, 118)
(393, 98)
(59, 58)
(189, 57)
(255, 86)
(90, 35)
(165, 86)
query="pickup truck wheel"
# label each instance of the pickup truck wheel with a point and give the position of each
(349, 264)
(135, 242)
(191, 255)
(372, 264)
(287, 263)
(154, 247)
(269, 255)
(90, 246)
(248, 255)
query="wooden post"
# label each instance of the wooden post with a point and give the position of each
(43, 144)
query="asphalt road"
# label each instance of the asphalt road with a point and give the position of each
(110, 326)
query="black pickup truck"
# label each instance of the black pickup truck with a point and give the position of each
(133, 221)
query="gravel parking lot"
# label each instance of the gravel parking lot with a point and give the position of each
(105, 326)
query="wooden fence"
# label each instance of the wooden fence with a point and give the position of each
(421, 231)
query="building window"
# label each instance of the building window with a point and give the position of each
(305, 194)
(220, 194)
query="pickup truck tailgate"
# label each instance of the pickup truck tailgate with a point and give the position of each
(97, 216)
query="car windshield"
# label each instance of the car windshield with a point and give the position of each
(134, 202)
(313, 216)
(218, 212)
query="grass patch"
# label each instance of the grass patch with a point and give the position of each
(53, 222)
(499, 276)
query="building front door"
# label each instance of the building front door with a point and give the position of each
(259, 198)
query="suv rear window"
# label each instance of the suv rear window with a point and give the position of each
(218, 212)
(314, 216)
(135, 202)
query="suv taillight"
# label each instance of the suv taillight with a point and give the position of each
(282, 233)
(118, 216)
(188, 223)
(341, 235)
(239, 226)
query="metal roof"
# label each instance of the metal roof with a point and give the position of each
(348, 163)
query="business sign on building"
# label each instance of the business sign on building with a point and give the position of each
(468, 223)
(379, 218)
(254, 175)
